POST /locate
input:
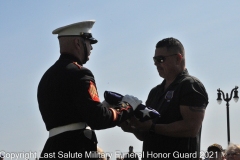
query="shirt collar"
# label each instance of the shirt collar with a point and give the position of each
(177, 79)
(179, 76)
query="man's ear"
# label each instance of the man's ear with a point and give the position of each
(77, 43)
(179, 58)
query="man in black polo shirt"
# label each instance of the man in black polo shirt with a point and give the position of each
(181, 100)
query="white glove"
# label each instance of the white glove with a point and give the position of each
(133, 101)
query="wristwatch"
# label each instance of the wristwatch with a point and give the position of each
(152, 128)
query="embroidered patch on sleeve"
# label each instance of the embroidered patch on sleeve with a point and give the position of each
(93, 92)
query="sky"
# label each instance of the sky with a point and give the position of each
(121, 61)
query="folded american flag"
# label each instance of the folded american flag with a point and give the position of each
(142, 112)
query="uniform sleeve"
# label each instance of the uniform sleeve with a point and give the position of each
(91, 109)
(193, 93)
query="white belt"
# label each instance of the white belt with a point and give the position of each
(69, 127)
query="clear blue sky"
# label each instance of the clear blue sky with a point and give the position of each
(122, 60)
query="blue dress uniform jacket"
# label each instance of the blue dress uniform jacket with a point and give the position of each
(185, 90)
(67, 94)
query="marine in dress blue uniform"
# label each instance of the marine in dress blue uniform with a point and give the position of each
(68, 99)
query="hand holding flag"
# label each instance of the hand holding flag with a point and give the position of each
(142, 112)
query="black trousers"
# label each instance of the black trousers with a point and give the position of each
(71, 145)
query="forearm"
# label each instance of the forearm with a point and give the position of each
(178, 129)
(189, 126)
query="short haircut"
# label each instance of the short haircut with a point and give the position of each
(215, 146)
(235, 148)
(172, 44)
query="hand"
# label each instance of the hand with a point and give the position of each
(144, 126)
(126, 127)
(133, 101)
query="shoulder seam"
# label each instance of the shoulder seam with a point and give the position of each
(78, 65)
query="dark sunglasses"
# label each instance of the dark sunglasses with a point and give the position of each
(161, 59)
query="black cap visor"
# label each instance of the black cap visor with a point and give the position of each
(93, 40)
(89, 37)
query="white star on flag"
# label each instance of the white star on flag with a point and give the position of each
(145, 112)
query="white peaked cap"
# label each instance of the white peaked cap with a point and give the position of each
(75, 28)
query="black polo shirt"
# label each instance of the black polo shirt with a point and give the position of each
(185, 90)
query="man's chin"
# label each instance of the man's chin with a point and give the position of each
(161, 75)
(85, 61)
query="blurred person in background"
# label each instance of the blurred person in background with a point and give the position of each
(233, 152)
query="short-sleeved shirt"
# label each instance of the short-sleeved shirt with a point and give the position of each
(185, 90)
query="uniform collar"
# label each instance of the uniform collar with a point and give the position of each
(70, 57)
